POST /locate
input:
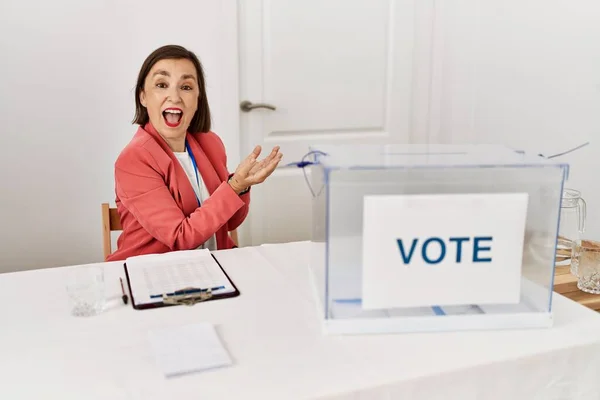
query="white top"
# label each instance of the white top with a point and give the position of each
(186, 162)
(273, 333)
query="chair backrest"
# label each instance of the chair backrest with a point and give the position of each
(110, 222)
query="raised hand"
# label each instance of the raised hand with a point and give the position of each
(251, 171)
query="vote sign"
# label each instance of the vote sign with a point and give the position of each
(442, 249)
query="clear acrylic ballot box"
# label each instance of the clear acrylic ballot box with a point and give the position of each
(412, 238)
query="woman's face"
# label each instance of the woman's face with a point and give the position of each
(170, 96)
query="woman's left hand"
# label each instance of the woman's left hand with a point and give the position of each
(252, 172)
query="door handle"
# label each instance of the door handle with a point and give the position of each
(247, 106)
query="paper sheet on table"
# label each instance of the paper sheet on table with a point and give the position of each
(185, 349)
(153, 275)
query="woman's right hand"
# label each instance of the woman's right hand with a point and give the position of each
(251, 171)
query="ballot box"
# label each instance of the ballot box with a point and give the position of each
(412, 238)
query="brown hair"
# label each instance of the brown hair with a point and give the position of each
(201, 120)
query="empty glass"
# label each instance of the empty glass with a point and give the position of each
(85, 287)
(572, 225)
(587, 255)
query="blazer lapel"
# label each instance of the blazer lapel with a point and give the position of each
(208, 169)
(188, 202)
(209, 175)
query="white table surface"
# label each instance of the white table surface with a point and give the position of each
(274, 337)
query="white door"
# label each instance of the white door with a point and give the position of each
(335, 71)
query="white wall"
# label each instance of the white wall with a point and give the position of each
(68, 69)
(520, 72)
(524, 73)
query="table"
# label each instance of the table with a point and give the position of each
(566, 284)
(273, 335)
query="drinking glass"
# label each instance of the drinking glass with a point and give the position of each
(587, 255)
(85, 288)
(572, 226)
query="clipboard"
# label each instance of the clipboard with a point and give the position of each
(190, 296)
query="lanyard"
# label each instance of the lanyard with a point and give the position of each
(189, 150)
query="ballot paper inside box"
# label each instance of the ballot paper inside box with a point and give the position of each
(429, 238)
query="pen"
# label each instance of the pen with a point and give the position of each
(124, 297)
(188, 291)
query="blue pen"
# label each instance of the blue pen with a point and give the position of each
(188, 291)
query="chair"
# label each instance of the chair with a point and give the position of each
(111, 221)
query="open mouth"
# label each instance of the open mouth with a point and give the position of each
(172, 117)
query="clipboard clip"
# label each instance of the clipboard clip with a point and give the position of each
(187, 296)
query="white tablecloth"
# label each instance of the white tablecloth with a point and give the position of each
(273, 335)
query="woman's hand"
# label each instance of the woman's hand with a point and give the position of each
(251, 171)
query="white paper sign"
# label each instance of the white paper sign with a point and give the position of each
(442, 249)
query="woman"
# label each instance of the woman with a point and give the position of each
(172, 185)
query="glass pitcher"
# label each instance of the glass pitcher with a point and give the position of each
(573, 211)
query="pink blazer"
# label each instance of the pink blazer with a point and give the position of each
(156, 202)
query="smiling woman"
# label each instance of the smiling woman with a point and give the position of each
(173, 190)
